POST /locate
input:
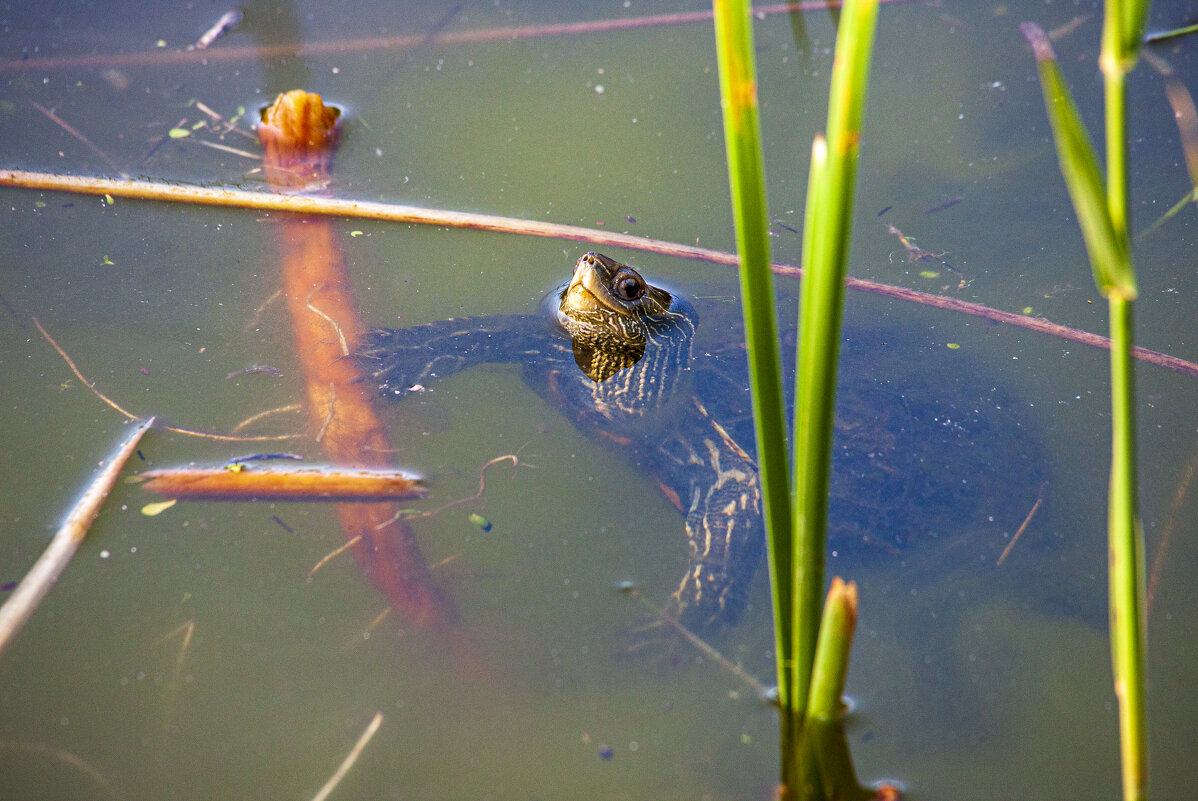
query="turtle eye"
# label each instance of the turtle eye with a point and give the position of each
(628, 287)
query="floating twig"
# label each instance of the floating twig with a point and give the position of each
(482, 486)
(278, 484)
(74, 369)
(331, 555)
(278, 293)
(706, 649)
(1061, 31)
(328, 418)
(46, 570)
(249, 421)
(223, 25)
(187, 630)
(245, 154)
(336, 326)
(1023, 526)
(146, 190)
(356, 639)
(60, 122)
(66, 758)
(356, 752)
(947, 204)
(1180, 492)
(391, 43)
(174, 429)
(257, 368)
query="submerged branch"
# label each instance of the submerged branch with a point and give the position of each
(45, 571)
(307, 484)
(396, 212)
(350, 758)
(91, 385)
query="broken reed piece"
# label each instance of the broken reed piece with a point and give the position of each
(306, 484)
(298, 132)
(45, 571)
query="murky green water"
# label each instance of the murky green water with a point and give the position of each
(971, 681)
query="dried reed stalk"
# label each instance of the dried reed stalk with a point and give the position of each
(395, 212)
(308, 484)
(37, 582)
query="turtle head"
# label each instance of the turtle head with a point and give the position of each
(604, 293)
(615, 317)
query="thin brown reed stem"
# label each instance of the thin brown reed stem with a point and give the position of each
(395, 212)
(215, 55)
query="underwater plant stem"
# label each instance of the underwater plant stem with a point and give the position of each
(746, 177)
(1126, 544)
(827, 240)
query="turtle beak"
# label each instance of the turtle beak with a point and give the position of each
(589, 275)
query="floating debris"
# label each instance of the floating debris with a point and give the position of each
(155, 509)
(45, 571)
(261, 457)
(309, 484)
(948, 204)
(257, 368)
(222, 26)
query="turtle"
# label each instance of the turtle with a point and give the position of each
(616, 354)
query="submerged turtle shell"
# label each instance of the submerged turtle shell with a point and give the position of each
(910, 465)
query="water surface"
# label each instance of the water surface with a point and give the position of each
(970, 679)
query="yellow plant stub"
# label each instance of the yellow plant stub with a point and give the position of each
(157, 508)
(298, 132)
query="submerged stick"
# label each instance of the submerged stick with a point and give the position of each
(308, 484)
(350, 759)
(342, 47)
(37, 582)
(1022, 526)
(91, 385)
(394, 212)
(65, 758)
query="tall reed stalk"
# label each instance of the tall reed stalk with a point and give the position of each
(1104, 217)
(746, 176)
(796, 546)
(827, 235)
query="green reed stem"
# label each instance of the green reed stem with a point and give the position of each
(831, 666)
(1126, 543)
(1123, 30)
(827, 237)
(1104, 217)
(746, 176)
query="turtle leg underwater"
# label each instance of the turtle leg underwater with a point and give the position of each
(400, 360)
(714, 483)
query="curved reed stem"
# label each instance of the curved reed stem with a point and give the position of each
(395, 212)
